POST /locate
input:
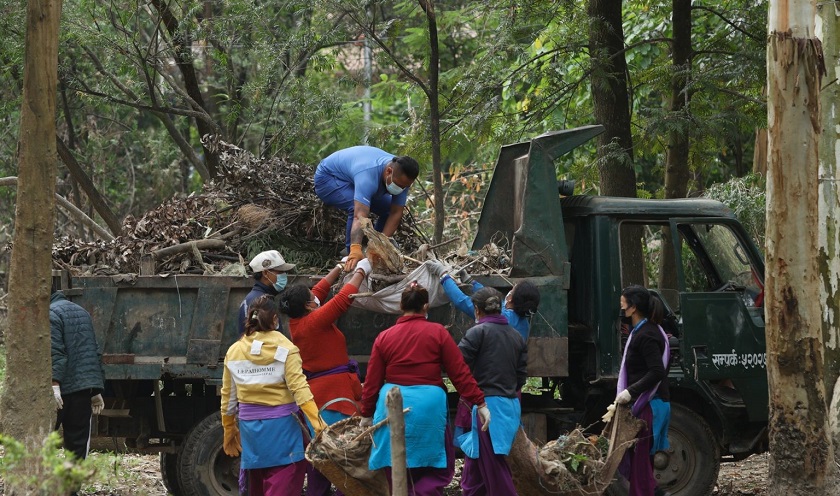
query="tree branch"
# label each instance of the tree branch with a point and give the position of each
(381, 44)
(161, 114)
(71, 209)
(97, 200)
(730, 23)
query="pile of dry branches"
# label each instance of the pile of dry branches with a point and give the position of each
(255, 204)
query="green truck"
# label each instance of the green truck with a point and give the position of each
(164, 338)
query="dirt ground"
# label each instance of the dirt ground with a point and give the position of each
(139, 475)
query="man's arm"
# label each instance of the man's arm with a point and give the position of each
(393, 222)
(360, 211)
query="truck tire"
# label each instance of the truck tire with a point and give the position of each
(203, 468)
(691, 465)
(169, 473)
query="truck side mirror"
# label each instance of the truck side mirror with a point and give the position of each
(566, 187)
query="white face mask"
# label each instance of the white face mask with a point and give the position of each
(392, 187)
(316, 301)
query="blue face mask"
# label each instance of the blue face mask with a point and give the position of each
(280, 283)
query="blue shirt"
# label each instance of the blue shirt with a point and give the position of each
(463, 303)
(360, 168)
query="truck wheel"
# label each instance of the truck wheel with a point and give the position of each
(169, 473)
(204, 469)
(690, 466)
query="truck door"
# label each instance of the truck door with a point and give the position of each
(721, 282)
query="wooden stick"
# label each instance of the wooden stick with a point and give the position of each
(361, 295)
(201, 244)
(399, 481)
(406, 257)
(444, 243)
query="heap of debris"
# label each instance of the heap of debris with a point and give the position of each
(255, 204)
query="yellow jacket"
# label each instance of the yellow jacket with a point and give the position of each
(263, 369)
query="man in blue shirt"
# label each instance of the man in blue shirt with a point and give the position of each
(361, 180)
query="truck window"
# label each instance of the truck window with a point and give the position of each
(659, 267)
(729, 265)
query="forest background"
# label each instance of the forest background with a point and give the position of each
(679, 86)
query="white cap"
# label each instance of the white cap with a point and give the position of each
(271, 259)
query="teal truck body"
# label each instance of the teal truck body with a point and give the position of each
(164, 338)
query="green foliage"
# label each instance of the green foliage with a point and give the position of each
(46, 472)
(288, 79)
(747, 198)
(50, 471)
(573, 461)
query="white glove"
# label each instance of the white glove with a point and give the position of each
(366, 422)
(364, 264)
(609, 415)
(57, 394)
(484, 413)
(464, 276)
(437, 268)
(97, 404)
(623, 397)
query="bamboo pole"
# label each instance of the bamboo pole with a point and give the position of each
(399, 481)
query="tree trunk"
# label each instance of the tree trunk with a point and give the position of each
(28, 361)
(801, 453)
(829, 211)
(611, 102)
(760, 152)
(676, 158)
(434, 117)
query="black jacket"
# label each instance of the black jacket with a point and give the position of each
(644, 362)
(76, 358)
(497, 357)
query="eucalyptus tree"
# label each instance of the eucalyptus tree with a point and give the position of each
(829, 212)
(801, 452)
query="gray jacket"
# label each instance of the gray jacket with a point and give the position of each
(76, 359)
(497, 357)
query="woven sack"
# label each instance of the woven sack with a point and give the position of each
(341, 453)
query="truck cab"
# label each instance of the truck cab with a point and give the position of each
(714, 315)
(582, 251)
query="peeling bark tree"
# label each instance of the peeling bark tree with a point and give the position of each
(27, 402)
(829, 211)
(801, 454)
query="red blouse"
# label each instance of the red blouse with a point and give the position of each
(414, 352)
(323, 347)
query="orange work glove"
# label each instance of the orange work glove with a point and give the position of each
(232, 443)
(353, 257)
(310, 409)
